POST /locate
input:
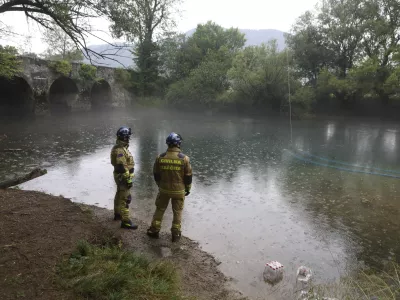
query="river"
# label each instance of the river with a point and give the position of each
(329, 200)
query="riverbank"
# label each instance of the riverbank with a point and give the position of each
(38, 232)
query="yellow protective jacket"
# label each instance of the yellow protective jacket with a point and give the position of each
(173, 172)
(122, 160)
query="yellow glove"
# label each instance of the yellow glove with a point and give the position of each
(129, 177)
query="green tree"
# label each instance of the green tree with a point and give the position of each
(392, 83)
(205, 82)
(172, 55)
(347, 50)
(309, 48)
(330, 38)
(138, 21)
(259, 76)
(331, 86)
(342, 24)
(179, 55)
(211, 36)
(200, 63)
(381, 41)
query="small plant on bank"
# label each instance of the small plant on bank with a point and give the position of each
(62, 66)
(109, 272)
(87, 72)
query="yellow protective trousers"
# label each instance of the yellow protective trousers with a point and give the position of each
(162, 202)
(122, 199)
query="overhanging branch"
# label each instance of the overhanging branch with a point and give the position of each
(65, 14)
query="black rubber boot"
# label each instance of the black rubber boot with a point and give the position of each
(128, 225)
(117, 217)
(176, 237)
(151, 232)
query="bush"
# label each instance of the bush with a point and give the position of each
(87, 72)
(204, 84)
(123, 77)
(10, 65)
(62, 66)
(302, 100)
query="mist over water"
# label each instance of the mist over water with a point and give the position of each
(330, 201)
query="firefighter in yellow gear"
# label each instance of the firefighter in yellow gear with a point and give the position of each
(123, 163)
(173, 175)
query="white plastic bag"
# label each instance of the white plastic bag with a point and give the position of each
(273, 272)
(304, 274)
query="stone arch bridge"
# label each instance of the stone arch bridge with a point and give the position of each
(39, 88)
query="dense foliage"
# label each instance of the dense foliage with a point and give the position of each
(138, 21)
(87, 72)
(348, 53)
(344, 56)
(62, 67)
(10, 65)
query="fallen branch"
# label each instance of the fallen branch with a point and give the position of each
(12, 150)
(33, 174)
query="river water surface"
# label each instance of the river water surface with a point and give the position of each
(330, 200)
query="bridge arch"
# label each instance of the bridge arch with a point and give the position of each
(16, 97)
(100, 94)
(62, 94)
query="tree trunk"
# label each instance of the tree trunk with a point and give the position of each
(33, 174)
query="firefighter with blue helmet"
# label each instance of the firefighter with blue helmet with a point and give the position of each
(173, 175)
(123, 163)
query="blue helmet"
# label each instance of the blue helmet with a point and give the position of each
(124, 133)
(174, 139)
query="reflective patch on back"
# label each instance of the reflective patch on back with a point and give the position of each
(120, 155)
(181, 155)
(170, 161)
(170, 168)
(163, 154)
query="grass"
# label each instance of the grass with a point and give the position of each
(368, 285)
(109, 272)
(384, 285)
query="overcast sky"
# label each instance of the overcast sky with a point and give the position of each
(248, 14)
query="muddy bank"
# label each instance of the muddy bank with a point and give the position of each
(38, 231)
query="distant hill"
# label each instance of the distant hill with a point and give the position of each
(254, 37)
(257, 37)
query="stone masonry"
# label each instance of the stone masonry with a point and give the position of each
(40, 77)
